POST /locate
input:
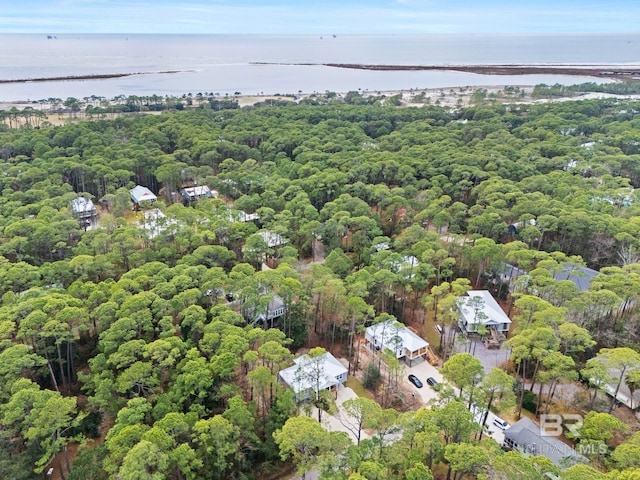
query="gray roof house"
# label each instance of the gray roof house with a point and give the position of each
(527, 437)
(581, 276)
(306, 375)
(275, 309)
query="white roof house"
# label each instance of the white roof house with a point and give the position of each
(396, 337)
(83, 207)
(406, 266)
(307, 374)
(194, 193)
(141, 194)
(272, 239)
(86, 213)
(242, 216)
(479, 307)
(155, 222)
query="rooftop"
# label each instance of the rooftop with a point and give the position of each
(272, 239)
(242, 216)
(579, 275)
(199, 191)
(142, 194)
(492, 310)
(396, 337)
(82, 205)
(529, 438)
(300, 376)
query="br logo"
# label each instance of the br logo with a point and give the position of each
(554, 425)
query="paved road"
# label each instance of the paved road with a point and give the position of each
(424, 370)
(421, 369)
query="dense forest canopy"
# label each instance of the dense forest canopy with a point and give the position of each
(151, 333)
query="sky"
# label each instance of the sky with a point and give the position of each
(319, 17)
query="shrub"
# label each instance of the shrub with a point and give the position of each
(530, 401)
(371, 377)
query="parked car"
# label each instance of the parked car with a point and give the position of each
(415, 380)
(432, 381)
(501, 424)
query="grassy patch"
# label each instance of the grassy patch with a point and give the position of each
(356, 385)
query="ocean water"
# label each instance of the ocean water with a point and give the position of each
(282, 64)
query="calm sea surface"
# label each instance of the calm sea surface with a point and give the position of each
(225, 63)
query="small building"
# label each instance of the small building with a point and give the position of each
(394, 336)
(140, 195)
(308, 375)
(406, 266)
(480, 308)
(242, 216)
(275, 310)
(272, 239)
(195, 193)
(85, 211)
(507, 273)
(155, 222)
(527, 437)
(378, 247)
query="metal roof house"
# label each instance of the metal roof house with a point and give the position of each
(140, 194)
(479, 307)
(394, 336)
(85, 211)
(406, 267)
(242, 216)
(527, 437)
(83, 207)
(272, 239)
(307, 375)
(195, 193)
(579, 275)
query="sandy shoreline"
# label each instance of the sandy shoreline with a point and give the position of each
(451, 97)
(446, 97)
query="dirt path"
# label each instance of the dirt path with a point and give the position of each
(318, 251)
